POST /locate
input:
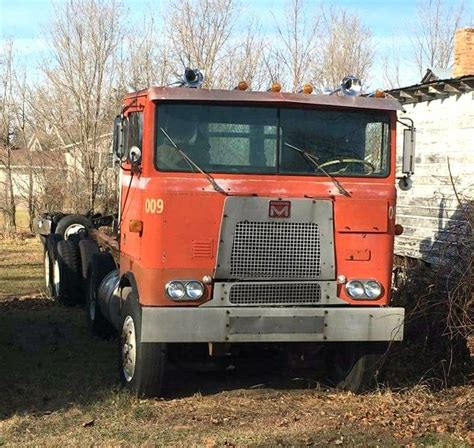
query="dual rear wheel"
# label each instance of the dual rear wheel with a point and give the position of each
(61, 270)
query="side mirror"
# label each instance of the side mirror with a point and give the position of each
(119, 140)
(135, 155)
(408, 158)
(405, 183)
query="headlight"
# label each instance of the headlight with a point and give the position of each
(355, 289)
(364, 289)
(175, 290)
(184, 289)
(373, 289)
(194, 290)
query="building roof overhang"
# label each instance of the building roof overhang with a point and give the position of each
(433, 90)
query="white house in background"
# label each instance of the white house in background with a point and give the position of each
(442, 108)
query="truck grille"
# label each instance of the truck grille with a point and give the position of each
(275, 294)
(276, 250)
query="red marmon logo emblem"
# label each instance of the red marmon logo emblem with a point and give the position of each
(279, 209)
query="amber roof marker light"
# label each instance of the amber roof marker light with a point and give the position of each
(379, 93)
(306, 88)
(275, 87)
(242, 85)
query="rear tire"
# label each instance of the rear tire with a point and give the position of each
(354, 366)
(50, 253)
(73, 224)
(100, 265)
(142, 364)
(66, 274)
(87, 249)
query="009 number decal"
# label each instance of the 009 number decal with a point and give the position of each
(154, 206)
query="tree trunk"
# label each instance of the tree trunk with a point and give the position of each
(11, 225)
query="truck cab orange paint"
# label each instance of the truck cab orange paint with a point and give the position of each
(182, 213)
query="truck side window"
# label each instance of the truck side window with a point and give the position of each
(135, 130)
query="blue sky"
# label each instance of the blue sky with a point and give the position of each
(390, 21)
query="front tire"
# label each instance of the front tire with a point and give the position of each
(142, 364)
(354, 366)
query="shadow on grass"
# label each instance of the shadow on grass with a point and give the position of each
(253, 368)
(50, 362)
(48, 359)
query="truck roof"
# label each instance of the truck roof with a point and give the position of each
(240, 96)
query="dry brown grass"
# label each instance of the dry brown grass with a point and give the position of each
(59, 387)
(22, 220)
(21, 268)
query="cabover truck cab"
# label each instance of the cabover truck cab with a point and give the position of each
(251, 217)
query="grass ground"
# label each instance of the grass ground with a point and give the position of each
(22, 219)
(59, 387)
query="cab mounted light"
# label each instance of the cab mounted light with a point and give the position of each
(379, 93)
(135, 226)
(307, 88)
(364, 289)
(175, 290)
(184, 289)
(275, 87)
(242, 85)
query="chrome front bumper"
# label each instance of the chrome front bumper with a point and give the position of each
(265, 324)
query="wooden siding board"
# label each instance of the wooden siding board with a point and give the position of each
(430, 211)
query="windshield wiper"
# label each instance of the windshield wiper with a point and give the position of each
(194, 165)
(312, 159)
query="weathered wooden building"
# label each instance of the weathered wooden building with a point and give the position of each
(442, 108)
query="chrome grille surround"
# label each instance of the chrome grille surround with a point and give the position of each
(256, 246)
(301, 293)
(276, 250)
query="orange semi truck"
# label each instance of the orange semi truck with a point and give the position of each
(245, 217)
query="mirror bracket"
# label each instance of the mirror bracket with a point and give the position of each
(408, 157)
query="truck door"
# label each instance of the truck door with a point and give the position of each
(130, 190)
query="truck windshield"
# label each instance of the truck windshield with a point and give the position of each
(258, 140)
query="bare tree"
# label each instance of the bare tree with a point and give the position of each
(199, 33)
(147, 59)
(346, 48)
(7, 135)
(297, 44)
(245, 59)
(391, 65)
(434, 28)
(80, 94)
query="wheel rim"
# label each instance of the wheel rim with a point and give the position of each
(73, 229)
(56, 277)
(47, 271)
(129, 350)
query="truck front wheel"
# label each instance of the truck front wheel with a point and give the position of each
(354, 366)
(142, 364)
